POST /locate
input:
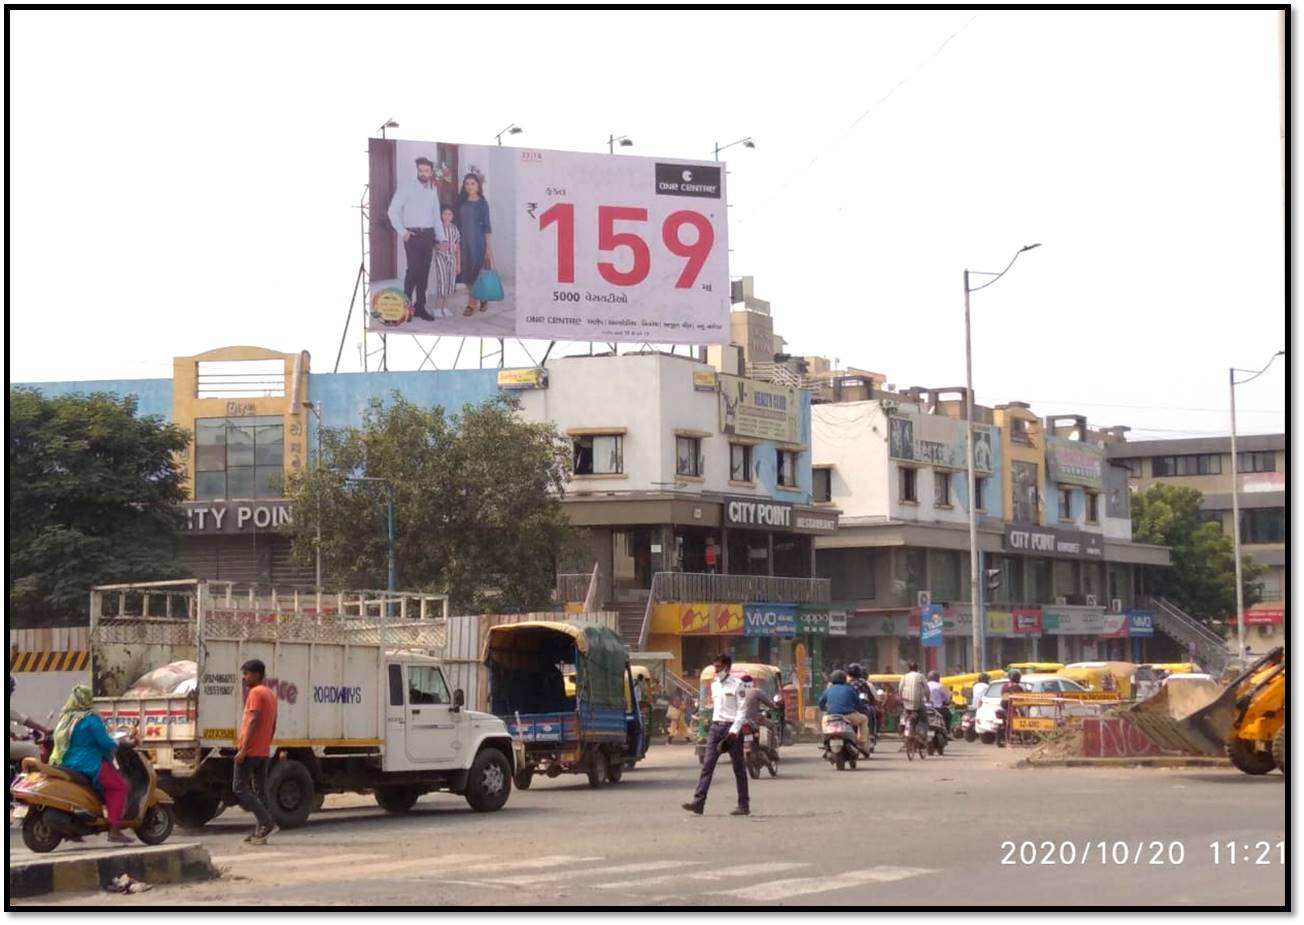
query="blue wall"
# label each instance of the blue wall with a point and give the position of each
(155, 395)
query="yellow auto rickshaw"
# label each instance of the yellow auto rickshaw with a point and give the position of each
(1115, 677)
(961, 685)
(767, 677)
(889, 708)
(1034, 667)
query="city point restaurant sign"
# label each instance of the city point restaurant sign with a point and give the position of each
(233, 517)
(753, 514)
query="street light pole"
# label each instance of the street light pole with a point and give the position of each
(745, 142)
(976, 576)
(1236, 506)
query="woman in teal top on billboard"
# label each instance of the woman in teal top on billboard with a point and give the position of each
(477, 237)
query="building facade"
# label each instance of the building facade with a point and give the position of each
(1205, 464)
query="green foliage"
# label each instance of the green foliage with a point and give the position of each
(93, 491)
(1202, 580)
(477, 504)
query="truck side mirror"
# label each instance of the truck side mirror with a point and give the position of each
(459, 699)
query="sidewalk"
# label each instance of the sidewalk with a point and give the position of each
(1165, 761)
(82, 868)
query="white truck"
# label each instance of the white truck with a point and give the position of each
(362, 704)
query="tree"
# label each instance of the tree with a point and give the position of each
(93, 491)
(477, 500)
(1202, 579)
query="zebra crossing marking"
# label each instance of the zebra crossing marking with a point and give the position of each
(802, 886)
(742, 870)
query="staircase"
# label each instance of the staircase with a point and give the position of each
(631, 620)
(1210, 648)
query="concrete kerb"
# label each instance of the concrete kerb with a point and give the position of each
(1167, 761)
(60, 872)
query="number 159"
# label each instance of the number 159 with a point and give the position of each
(609, 239)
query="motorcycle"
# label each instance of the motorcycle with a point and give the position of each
(966, 729)
(937, 736)
(760, 750)
(56, 803)
(840, 748)
(916, 736)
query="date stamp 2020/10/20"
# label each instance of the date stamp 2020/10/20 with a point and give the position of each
(1121, 853)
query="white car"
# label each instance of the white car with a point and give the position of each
(989, 717)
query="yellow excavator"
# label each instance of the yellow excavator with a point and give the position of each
(1246, 720)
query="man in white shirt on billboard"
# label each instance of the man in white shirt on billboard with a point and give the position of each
(723, 735)
(414, 213)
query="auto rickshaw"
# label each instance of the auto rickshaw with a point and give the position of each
(961, 686)
(1115, 677)
(594, 725)
(889, 709)
(766, 677)
(1033, 667)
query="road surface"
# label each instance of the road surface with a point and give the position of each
(922, 833)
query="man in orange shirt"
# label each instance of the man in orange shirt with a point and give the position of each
(254, 750)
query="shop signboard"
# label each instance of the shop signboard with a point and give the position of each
(1073, 621)
(1115, 626)
(727, 619)
(813, 622)
(770, 620)
(837, 623)
(1264, 617)
(930, 627)
(522, 379)
(1053, 541)
(222, 517)
(1000, 622)
(760, 410)
(754, 514)
(1027, 621)
(1074, 462)
(704, 380)
(1140, 623)
(566, 245)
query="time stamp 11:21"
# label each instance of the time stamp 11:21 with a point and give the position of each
(1138, 853)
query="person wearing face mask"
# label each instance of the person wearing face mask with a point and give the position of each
(723, 736)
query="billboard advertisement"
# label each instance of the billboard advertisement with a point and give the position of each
(770, 620)
(931, 626)
(1072, 462)
(759, 410)
(937, 441)
(486, 241)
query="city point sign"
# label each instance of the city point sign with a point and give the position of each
(223, 517)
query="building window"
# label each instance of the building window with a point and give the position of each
(1020, 431)
(980, 492)
(1257, 462)
(1210, 517)
(1027, 500)
(740, 463)
(1270, 585)
(1198, 464)
(822, 484)
(941, 488)
(1066, 504)
(907, 484)
(599, 454)
(239, 458)
(787, 468)
(1132, 465)
(688, 456)
(1093, 507)
(1264, 526)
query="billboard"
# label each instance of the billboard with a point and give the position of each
(759, 410)
(486, 241)
(936, 440)
(931, 626)
(1072, 462)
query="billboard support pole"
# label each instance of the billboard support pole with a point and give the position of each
(551, 344)
(460, 345)
(343, 337)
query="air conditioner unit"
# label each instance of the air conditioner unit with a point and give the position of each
(1116, 605)
(1091, 600)
(1061, 600)
(925, 598)
(1265, 630)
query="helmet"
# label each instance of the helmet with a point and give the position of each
(934, 676)
(855, 671)
(746, 679)
(838, 677)
(1015, 675)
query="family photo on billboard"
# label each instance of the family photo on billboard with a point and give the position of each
(490, 241)
(434, 253)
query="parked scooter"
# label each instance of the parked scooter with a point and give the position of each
(57, 803)
(937, 737)
(840, 747)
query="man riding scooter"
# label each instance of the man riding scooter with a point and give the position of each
(840, 698)
(756, 708)
(860, 684)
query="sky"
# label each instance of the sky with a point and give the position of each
(184, 180)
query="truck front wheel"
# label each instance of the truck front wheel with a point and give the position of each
(290, 794)
(396, 799)
(489, 782)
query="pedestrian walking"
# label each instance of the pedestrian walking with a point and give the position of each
(723, 736)
(254, 750)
